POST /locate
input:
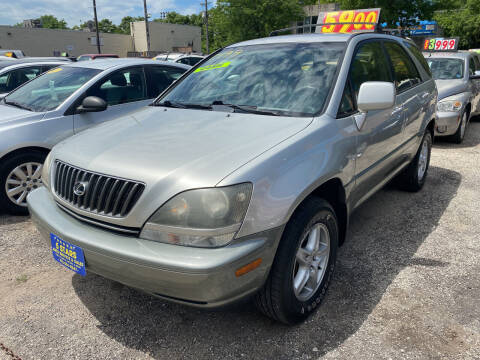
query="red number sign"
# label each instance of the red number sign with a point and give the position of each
(348, 17)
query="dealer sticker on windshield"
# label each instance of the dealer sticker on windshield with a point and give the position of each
(68, 255)
(213, 67)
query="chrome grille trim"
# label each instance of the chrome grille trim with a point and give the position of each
(120, 229)
(104, 195)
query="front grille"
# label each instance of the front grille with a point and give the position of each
(103, 194)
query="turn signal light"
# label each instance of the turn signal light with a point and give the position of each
(249, 267)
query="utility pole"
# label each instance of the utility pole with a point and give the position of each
(206, 25)
(147, 32)
(96, 26)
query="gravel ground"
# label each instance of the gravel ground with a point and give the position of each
(407, 286)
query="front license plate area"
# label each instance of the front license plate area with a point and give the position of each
(68, 255)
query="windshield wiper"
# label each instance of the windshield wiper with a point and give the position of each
(16, 104)
(175, 104)
(251, 109)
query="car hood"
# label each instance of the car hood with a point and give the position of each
(448, 88)
(11, 116)
(172, 150)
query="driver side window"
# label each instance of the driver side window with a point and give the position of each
(121, 87)
(368, 64)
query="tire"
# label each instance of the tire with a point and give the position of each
(278, 299)
(412, 178)
(462, 129)
(24, 185)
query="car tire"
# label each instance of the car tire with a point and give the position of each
(413, 177)
(462, 129)
(279, 299)
(25, 163)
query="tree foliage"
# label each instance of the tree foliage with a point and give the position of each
(462, 19)
(51, 22)
(237, 20)
(405, 12)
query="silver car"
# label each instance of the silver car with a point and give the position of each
(17, 72)
(63, 102)
(458, 83)
(241, 178)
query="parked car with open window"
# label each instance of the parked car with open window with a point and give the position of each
(241, 178)
(62, 102)
(458, 81)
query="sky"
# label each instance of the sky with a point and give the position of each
(78, 11)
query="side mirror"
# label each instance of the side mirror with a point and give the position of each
(92, 104)
(376, 95)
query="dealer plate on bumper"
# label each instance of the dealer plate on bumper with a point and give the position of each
(68, 255)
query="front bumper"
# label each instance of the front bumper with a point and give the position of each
(447, 123)
(194, 276)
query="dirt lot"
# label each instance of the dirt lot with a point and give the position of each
(407, 286)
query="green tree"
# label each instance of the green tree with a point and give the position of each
(106, 26)
(405, 12)
(237, 20)
(51, 22)
(124, 26)
(462, 21)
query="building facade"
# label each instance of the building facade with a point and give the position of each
(164, 37)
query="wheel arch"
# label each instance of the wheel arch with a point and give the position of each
(23, 150)
(332, 191)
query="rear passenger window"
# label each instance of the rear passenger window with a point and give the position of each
(418, 55)
(160, 77)
(15, 78)
(369, 64)
(405, 73)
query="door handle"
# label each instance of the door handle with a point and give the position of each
(425, 95)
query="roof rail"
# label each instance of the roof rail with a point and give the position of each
(377, 28)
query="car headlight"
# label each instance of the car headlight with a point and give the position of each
(201, 218)
(46, 171)
(449, 106)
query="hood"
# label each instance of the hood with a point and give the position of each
(451, 87)
(172, 150)
(12, 116)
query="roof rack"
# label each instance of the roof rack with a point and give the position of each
(377, 28)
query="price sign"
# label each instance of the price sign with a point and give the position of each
(440, 44)
(344, 21)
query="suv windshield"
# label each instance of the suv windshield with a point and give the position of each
(48, 91)
(444, 69)
(286, 79)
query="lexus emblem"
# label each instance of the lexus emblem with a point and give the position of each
(79, 188)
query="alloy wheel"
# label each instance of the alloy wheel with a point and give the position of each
(22, 180)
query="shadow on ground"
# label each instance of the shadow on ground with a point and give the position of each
(9, 219)
(384, 236)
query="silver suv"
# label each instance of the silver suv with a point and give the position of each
(241, 178)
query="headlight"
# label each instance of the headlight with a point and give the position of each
(201, 218)
(46, 171)
(449, 106)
